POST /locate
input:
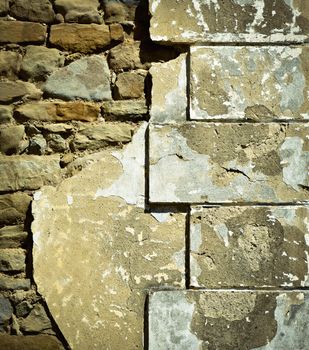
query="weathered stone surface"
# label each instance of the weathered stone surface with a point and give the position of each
(33, 10)
(228, 320)
(169, 91)
(127, 250)
(85, 38)
(12, 236)
(13, 207)
(40, 61)
(30, 342)
(249, 247)
(125, 56)
(12, 139)
(117, 33)
(36, 321)
(21, 32)
(12, 260)
(192, 21)
(9, 283)
(257, 83)
(129, 85)
(11, 91)
(119, 11)
(125, 108)
(79, 10)
(6, 310)
(9, 64)
(230, 162)
(4, 7)
(59, 111)
(28, 172)
(6, 114)
(37, 145)
(23, 308)
(99, 135)
(87, 78)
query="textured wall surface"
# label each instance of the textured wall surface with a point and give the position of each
(154, 174)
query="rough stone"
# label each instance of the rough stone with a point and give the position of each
(57, 143)
(37, 145)
(9, 283)
(58, 128)
(59, 111)
(23, 308)
(129, 85)
(9, 64)
(125, 56)
(6, 310)
(79, 10)
(169, 91)
(11, 91)
(84, 38)
(33, 10)
(249, 247)
(40, 61)
(6, 114)
(30, 342)
(87, 78)
(12, 236)
(12, 260)
(119, 11)
(28, 172)
(126, 249)
(13, 208)
(12, 139)
(125, 108)
(228, 320)
(36, 321)
(21, 32)
(229, 162)
(116, 31)
(99, 135)
(4, 7)
(257, 83)
(191, 21)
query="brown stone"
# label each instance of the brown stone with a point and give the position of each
(125, 56)
(12, 139)
(116, 31)
(6, 114)
(9, 64)
(21, 32)
(12, 260)
(11, 91)
(13, 208)
(59, 111)
(129, 85)
(33, 10)
(119, 11)
(12, 236)
(124, 108)
(85, 38)
(30, 342)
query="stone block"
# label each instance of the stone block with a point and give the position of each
(12, 260)
(40, 61)
(58, 111)
(9, 283)
(87, 78)
(12, 91)
(255, 83)
(169, 91)
(22, 32)
(228, 320)
(117, 33)
(30, 342)
(9, 64)
(6, 311)
(36, 321)
(33, 10)
(6, 114)
(119, 11)
(12, 139)
(85, 38)
(12, 236)
(249, 247)
(229, 162)
(125, 56)
(28, 172)
(122, 108)
(4, 7)
(13, 207)
(99, 224)
(129, 85)
(191, 21)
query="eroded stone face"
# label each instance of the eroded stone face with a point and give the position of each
(228, 320)
(192, 21)
(101, 252)
(249, 247)
(256, 83)
(230, 162)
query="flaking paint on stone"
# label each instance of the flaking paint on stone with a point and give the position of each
(213, 162)
(260, 247)
(96, 257)
(228, 320)
(255, 83)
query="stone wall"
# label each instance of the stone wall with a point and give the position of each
(154, 174)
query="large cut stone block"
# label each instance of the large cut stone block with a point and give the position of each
(22, 32)
(249, 247)
(228, 320)
(98, 252)
(257, 83)
(213, 162)
(190, 21)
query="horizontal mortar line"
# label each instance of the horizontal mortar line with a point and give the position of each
(234, 204)
(300, 43)
(259, 289)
